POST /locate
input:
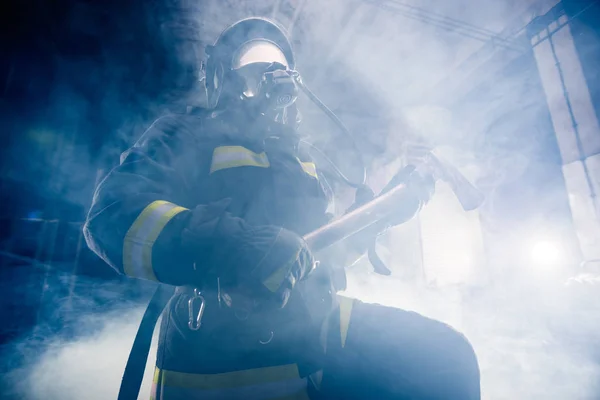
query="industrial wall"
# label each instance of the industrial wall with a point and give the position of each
(529, 134)
(565, 43)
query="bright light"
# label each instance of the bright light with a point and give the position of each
(544, 252)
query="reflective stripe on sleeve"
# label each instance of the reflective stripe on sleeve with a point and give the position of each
(346, 304)
(310, 168)
(274, 281)
(280, 382)
(137, 246)
(237, 156)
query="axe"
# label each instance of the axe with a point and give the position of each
(378, 210)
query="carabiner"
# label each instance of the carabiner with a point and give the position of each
(195, 321)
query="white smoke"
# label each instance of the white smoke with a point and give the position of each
(90, 367)
(532, 337)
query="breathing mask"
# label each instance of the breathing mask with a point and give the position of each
(252, 64)
(261, 77)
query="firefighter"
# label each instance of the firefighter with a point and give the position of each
(216, 203)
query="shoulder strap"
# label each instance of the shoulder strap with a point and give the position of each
(136, 363)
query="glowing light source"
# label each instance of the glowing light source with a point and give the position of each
(545, 252)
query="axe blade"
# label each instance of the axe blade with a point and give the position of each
(469, 197)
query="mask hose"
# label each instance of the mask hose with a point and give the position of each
(374, 258)
(341, 126)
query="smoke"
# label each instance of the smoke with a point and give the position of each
(80, 344)
(394, 75)
(90, 366)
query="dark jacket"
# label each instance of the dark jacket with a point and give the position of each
(240, 175)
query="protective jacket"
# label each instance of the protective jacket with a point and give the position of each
(136, 223)
(318, 346)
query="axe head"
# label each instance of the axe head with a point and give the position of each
(468, 195)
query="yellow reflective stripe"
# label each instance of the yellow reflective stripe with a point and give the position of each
(137, 246)
(156, 377)
(345, 312)
(274, 281)
(310, 168)
(156, 385)
(237, 156)
(291, 389)
(234, 379)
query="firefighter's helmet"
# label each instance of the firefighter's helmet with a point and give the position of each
(249, 41)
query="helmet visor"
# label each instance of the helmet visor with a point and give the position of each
(258, 51)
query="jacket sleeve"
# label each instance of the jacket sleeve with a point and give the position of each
(141, 205)
(145, 221)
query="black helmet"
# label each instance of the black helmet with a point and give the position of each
(248, 41)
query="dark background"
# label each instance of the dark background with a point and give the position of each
(80, 80)
(77, 76)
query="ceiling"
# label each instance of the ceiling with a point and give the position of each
(404, 48)
(370, 59)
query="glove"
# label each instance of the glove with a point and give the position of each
(420, 189)
(279, 260)
(257, 266)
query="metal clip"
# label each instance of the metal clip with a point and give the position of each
(195, 321)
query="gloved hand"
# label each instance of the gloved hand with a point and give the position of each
(420, 188)
(273, 260)
(257, 266)
(420, 179)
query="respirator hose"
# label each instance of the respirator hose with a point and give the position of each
(342, 127)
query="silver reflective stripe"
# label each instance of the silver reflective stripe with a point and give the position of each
(137, 246)
(293, 389)
(237, 156)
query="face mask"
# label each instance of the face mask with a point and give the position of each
(266, 86)
(261, 77)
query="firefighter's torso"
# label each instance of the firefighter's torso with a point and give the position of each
(267, 182)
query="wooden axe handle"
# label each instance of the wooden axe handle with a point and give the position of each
(368, 214)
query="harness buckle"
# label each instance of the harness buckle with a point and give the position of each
(195, 320)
